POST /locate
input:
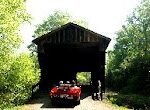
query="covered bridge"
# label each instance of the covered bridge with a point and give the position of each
(70, 49)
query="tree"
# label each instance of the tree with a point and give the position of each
(12, 14)
(128, 63)
(83, 77)
(17, 71)
(55, 20)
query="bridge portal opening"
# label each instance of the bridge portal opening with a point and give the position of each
(83, 78)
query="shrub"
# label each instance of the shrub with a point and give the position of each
(131, 101)
(17, 85)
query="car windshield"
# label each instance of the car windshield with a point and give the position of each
(67, 83)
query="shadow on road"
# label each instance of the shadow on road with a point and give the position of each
(42, 98)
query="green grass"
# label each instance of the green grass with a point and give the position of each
(129, 101)
(115, 106)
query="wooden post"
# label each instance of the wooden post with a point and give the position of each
(84, 40)
(79, 35)
(88, 37)
(82, 35)
(64, 36)
(71, 35)
(58, 37)
(54, 38)
(76, 34)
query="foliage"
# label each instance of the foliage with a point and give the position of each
(17, 71)
(17, 85)
(128, 64)
(52, 22)
(131, 101)
(12, 14)
(55, 20)
(84, 77)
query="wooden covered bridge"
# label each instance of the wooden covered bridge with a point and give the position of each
(70, 49)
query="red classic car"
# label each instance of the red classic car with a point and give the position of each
(65, 91)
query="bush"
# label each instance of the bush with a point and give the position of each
(17, 85)
(130, 101)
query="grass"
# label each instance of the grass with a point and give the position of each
(115, 106)
(130, 101)
(109, 102)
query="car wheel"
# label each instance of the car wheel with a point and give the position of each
(53, 102)
(78, 101)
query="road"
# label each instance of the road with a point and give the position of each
(42, 102)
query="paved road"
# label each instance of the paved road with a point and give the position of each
(42, 102)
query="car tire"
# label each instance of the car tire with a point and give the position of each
(53, 102)
(77, 101)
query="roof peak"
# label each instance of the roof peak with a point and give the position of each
(67, 25)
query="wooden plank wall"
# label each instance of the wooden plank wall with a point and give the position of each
(71, 35)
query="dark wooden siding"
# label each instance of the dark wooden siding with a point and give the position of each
(70, 35)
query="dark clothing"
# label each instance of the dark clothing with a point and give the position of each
(96, 89)
(95, 86)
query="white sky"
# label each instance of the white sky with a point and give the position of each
(103, 16)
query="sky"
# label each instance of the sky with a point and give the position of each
(105, 17)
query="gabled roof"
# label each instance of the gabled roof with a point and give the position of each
(68, 25)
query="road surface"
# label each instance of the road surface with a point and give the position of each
(43, 102)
